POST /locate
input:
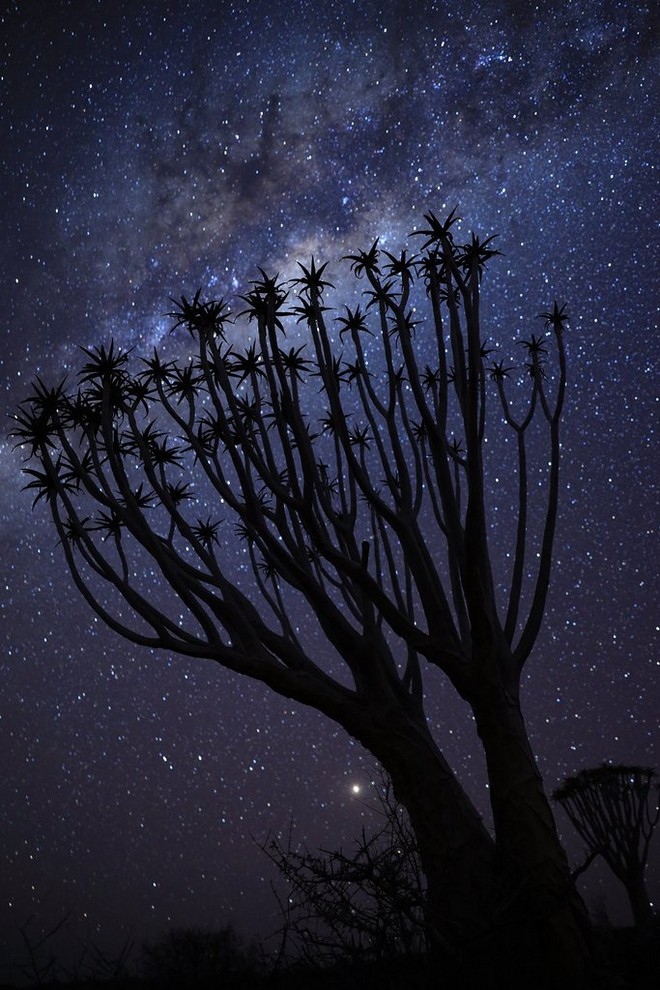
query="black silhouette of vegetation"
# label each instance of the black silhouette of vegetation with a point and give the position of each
(614, 808)
(89, 966)
(196, 959)
(41, 962)
(366, 904)
(373, 514)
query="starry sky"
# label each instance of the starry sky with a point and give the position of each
(149, 149)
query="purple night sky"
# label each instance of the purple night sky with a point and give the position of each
(148, 149)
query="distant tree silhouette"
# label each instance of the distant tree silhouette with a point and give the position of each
(614, 808)
(196, 959)
(373, 513)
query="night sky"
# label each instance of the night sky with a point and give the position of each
(148, 149)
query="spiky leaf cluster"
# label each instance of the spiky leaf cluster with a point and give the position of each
(615, 809)
(372, 511)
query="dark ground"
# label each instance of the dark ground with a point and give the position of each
(628, 959)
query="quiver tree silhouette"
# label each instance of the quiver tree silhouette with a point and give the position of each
(614, 808)
(371, 515)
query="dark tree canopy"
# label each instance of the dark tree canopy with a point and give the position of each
(614, 808)
(374, 511)
(370, 508)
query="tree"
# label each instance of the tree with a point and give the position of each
(372, 513)
(612, 810)
(367, 904)
(195, 959)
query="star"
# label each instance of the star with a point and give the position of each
(148, 156)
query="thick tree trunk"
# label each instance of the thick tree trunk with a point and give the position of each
(545, 904)
(456, 849)
(639, 898)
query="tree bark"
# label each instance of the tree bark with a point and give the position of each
(455, 847)
(546, 905)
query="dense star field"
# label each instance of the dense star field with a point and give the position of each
(151, 149)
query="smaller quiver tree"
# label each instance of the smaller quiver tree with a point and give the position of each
(614, 809)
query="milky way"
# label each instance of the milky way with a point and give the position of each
(149, 152)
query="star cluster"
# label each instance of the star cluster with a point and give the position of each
(151, 149)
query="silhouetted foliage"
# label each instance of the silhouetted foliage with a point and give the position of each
(91, 965)
(614, 808)
(372, 513)
(364, 904)
(41, 964)
(194, 959)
